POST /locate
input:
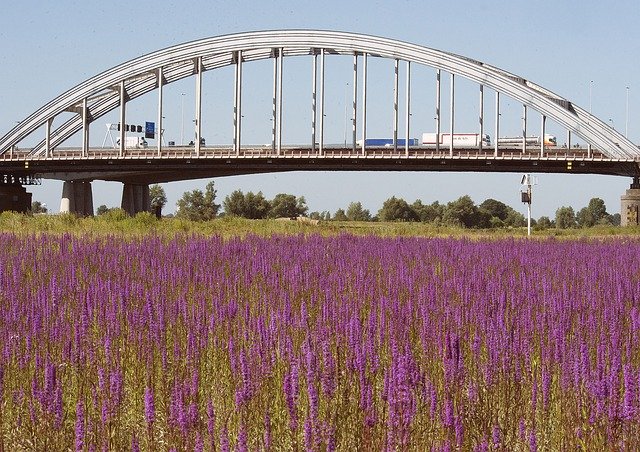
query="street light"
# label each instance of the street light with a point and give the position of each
(626, 126)
(590, 90)
(182, 120)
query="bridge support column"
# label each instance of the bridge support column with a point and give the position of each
(630, 205)
(77, 198)
(135, 198)
(14, 198)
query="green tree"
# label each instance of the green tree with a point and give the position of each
(428, 213)
(544, 223)
(585, 218)
(158, 199)
(515, 219)
(38, 207)
(397, 209)
(102, 209)
(340, 215)
(250, 205)
(594, 213)
(598, 209)
(465, 213)
(198, 206)
(355, 212)
(495, 208)
(234, 204)
(284, 205)
(565, 218)
(614, 219)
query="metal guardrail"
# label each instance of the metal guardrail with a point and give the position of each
(296, 152)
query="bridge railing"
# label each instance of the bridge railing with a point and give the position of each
(333, 152)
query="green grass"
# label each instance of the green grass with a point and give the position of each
(145, 223)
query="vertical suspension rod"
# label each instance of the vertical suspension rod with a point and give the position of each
(279, 130)
(438, 110)
(198, 104)
(495, 150)
(452, 114)
(159, 131)
(395, 106)
(543, 121)
(274, 101)
(364, 103)
(354, 104)
(524, 129)
(314, 83)
(85, 128)
(321, 150)
(123, 101)
(408, 110)
(237, 104)
(481, 117)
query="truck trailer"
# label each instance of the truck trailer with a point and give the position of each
(387, 142)
(460, 140)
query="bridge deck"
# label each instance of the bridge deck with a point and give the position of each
(183, 162)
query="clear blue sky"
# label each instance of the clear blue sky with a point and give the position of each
(48, 47)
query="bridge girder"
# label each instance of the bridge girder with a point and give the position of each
(140, 76)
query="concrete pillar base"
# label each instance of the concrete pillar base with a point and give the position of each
(135, 198)
(14, 198)
(77, 198)
(630, 207)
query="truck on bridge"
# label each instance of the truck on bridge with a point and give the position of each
(133, 143)
(549, 140)
(387, 142)
(460, 140)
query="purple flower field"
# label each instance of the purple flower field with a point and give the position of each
(318, 343)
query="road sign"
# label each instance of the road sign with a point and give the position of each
(150, 130)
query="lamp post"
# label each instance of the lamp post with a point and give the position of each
(626, 122)
(590, 92)
(182, 119)
(526, 182)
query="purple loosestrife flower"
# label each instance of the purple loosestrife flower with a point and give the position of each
(224, 439)
(628, 405)
(447, 419)
(149, 407)
(242, 438)
(546, 384)
(199, 445)
(211, 423)
(533, 441)
(135, 446)
(496, 437)
(80, 432)
(459, 430)
(483, 446)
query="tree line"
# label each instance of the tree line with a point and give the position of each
(463, 212)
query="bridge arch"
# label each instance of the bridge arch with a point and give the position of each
(105, 92)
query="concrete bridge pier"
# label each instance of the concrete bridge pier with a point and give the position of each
(135, 198)
(630, 205)
(77, 198)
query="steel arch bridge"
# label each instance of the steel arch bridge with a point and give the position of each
(113, 88)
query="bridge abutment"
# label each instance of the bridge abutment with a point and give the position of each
(135, 198)
(14, 198)
(630, 205)
(77, 198)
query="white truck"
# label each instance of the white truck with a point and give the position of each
(549, 140)
(133, 143)
(460, 140)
